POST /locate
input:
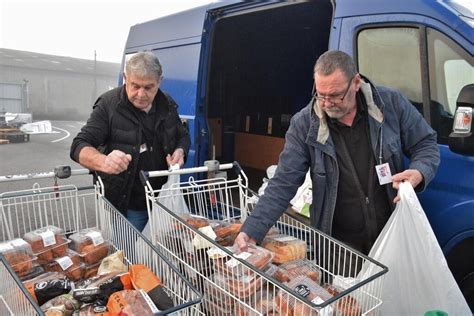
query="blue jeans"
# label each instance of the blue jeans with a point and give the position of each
(137, 218)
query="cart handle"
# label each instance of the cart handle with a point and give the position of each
(60, 172)
(209, 166)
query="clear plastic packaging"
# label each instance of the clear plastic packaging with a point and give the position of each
(90, 270)
(20, 256)
(47, 243)
(345, 306)
(308, 289)
(290, 270)
(90, 245)
(255, 255)
(70, 264)
(226, 231)
(195, 221)
(286, 248)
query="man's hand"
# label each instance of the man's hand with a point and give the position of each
(116, 162)
(243, 240)
(176, 158)
(410, 175)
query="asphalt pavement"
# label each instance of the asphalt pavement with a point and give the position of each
(41, 155)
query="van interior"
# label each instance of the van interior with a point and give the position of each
(259, 77)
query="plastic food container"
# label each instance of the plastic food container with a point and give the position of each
(90, 270)
(346, 305)
(20, 256)
(286, 248)
(90, 245)
(308, 289)
(70, 264)
(301, 267)
(193, 220)
(255, 255)
(47, 243)
(226, 231)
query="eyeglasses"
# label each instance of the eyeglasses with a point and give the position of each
(333, 100)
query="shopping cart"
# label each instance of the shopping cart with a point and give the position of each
(72, 209)
(246, 290)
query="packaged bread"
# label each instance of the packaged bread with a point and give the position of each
(256, 256)
(285, 248)
(290, 270)
(263, 302)
(47, 243)
(70, 265)
(90, 270)
(310, 291)
(131, 302)
(90, 245)
(346, 305)
(215, 287)
(19, 255)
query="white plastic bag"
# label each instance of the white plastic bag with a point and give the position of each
(418, 279)
(172, 198)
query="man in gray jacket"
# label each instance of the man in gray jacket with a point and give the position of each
(352, 137)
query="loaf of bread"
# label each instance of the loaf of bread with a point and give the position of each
(47, 243)
(90, 245)
(285, 248)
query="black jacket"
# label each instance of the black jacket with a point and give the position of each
(114, 125)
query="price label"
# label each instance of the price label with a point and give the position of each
(232, 263)
(18, 243)
(96, 238)
(48, 238)
(64, 262)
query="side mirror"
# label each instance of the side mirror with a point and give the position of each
(461, 140)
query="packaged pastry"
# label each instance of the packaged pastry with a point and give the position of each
(286, 248)
(90, 245)
(255, 256)
(47, 243)
(195, 221)
(64, 304)
(44, 277)
(43, 291)
(288, 271)
(226, 231)
(19, 255)
(308, 289)
(70, 265)
(262, 301)
(346, 305)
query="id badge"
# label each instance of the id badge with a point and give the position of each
(143, 148)
(384, 174)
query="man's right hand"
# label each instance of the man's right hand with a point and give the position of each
(243, 240)
(116, 162)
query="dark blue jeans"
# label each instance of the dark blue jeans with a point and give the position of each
(138, 218)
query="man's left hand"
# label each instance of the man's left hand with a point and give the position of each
(176, 158)
(410, 175)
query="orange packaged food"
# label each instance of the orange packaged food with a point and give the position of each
(47, 243)
(255, 256)
(90, 245)
(286, 248)
(19, 255)
(288, 271)
(70, 265)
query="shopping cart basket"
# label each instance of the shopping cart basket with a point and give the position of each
(74, 208)
(248, 290)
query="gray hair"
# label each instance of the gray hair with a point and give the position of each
(332, 60)
(143, 64)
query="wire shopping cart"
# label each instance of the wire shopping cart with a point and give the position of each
(245, 290)
(74, 208)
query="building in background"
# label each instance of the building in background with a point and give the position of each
(52, 87)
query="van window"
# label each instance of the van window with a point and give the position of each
(391, 57)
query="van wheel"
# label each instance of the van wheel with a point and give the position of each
(461, 263)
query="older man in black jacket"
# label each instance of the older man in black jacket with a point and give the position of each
(134, 127)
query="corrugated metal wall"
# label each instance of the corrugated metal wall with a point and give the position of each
(12, 97)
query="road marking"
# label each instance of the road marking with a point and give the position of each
(71, 126)
(60, 139)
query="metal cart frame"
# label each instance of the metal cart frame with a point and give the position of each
(222, 198)
(68, 207)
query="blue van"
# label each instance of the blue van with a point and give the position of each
(239, 70)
